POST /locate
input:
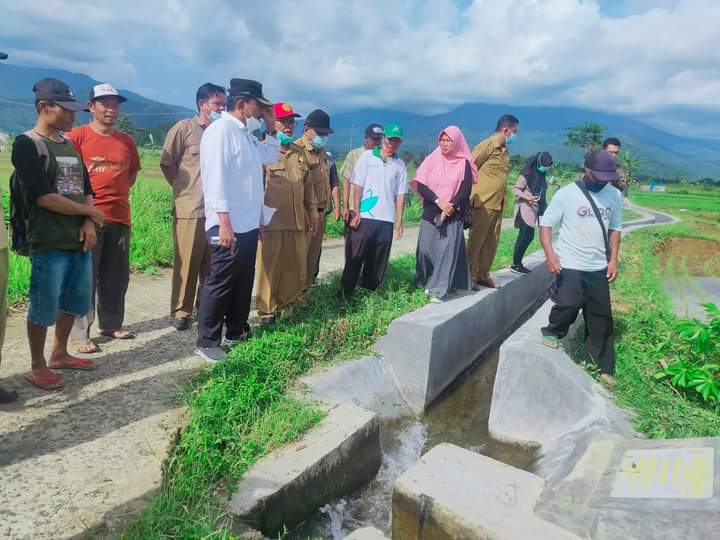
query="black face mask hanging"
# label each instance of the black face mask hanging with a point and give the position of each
(592, 186)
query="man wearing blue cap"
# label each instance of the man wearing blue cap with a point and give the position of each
(588, 214)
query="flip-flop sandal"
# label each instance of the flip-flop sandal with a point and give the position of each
(46, 382)
(82, 364)
(88, 347)
(118, 334)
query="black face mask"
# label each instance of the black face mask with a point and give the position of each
(592, 186)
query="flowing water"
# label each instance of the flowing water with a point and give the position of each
(460, 417)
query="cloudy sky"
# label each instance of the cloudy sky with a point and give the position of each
(656, 59)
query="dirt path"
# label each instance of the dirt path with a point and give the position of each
(91, 454)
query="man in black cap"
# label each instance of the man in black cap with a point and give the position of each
(314, 140)
(231, 171)
(373, 138)
(588, 214)
(61, 230)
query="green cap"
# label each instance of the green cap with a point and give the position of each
(393, 130)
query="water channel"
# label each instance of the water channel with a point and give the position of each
(459, 417)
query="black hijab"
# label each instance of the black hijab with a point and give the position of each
(537, 184)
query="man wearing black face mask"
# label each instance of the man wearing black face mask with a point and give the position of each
(585, 258)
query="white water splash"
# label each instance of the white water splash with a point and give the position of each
(336, 513)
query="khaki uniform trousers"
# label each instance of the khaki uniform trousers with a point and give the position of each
(314, 250)
(281, 270)
(483, 241)
(191, 264)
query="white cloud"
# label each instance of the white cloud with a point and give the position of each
(380, 53)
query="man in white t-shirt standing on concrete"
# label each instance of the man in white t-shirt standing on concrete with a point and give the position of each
(231, 171)
(379, 184)
(585, 258)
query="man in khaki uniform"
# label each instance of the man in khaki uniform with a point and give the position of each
(180, 163)
(282, 252)
(314, 139)
(488, 199)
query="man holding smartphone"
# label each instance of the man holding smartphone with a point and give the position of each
(231, 170)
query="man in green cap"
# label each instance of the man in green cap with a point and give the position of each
(379, 184)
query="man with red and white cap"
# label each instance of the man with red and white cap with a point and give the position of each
(282, 253)
(588, 216)
(112, 160)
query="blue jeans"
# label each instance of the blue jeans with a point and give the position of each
(59, 282)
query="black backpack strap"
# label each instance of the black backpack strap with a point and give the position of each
(581, 185)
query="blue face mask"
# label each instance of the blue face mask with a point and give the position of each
(319, 142)
(214, 115)
(256, 126)
(542, 169)
(284, 139)
(511, 138)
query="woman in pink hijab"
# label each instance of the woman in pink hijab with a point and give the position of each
(443, 181)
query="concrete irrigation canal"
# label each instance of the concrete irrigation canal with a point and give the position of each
(462, 425)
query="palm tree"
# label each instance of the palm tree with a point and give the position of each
(629, 166)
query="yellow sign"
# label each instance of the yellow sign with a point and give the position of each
(666, 473)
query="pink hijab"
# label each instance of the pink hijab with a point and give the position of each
(444, 174)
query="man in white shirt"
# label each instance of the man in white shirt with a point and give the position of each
(379, 184)
(585, 258)
(231, 169)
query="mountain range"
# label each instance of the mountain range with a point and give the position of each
(541, 128)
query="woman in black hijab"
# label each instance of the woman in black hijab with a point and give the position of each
(530, 204)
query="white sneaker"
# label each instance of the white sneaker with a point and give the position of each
(211, 354)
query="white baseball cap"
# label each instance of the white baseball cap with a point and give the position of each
(102, 90)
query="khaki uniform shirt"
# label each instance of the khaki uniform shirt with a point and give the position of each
(289, 189)
(182, 151)
(493, 163)
(319, 172)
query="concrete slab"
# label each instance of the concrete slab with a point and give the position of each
(541, 395)
(426, 350)
(639, 489)
(455, 493)
(337, 457)
(366, 533)
(365, 382)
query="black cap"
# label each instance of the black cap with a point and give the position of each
(374, 131)
(248, 89)
(319, 120)
(603, 166)
(58, 92)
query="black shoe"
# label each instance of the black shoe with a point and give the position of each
(182, 323)
(7, 395)
(520, 269)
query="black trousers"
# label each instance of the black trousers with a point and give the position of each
(227, 290)
(589, 291)
(367, 251)
(524, 238)
(110, 278)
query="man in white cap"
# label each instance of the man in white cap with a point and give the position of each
(112, 160)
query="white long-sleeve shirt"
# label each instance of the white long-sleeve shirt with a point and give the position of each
(231, 169)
